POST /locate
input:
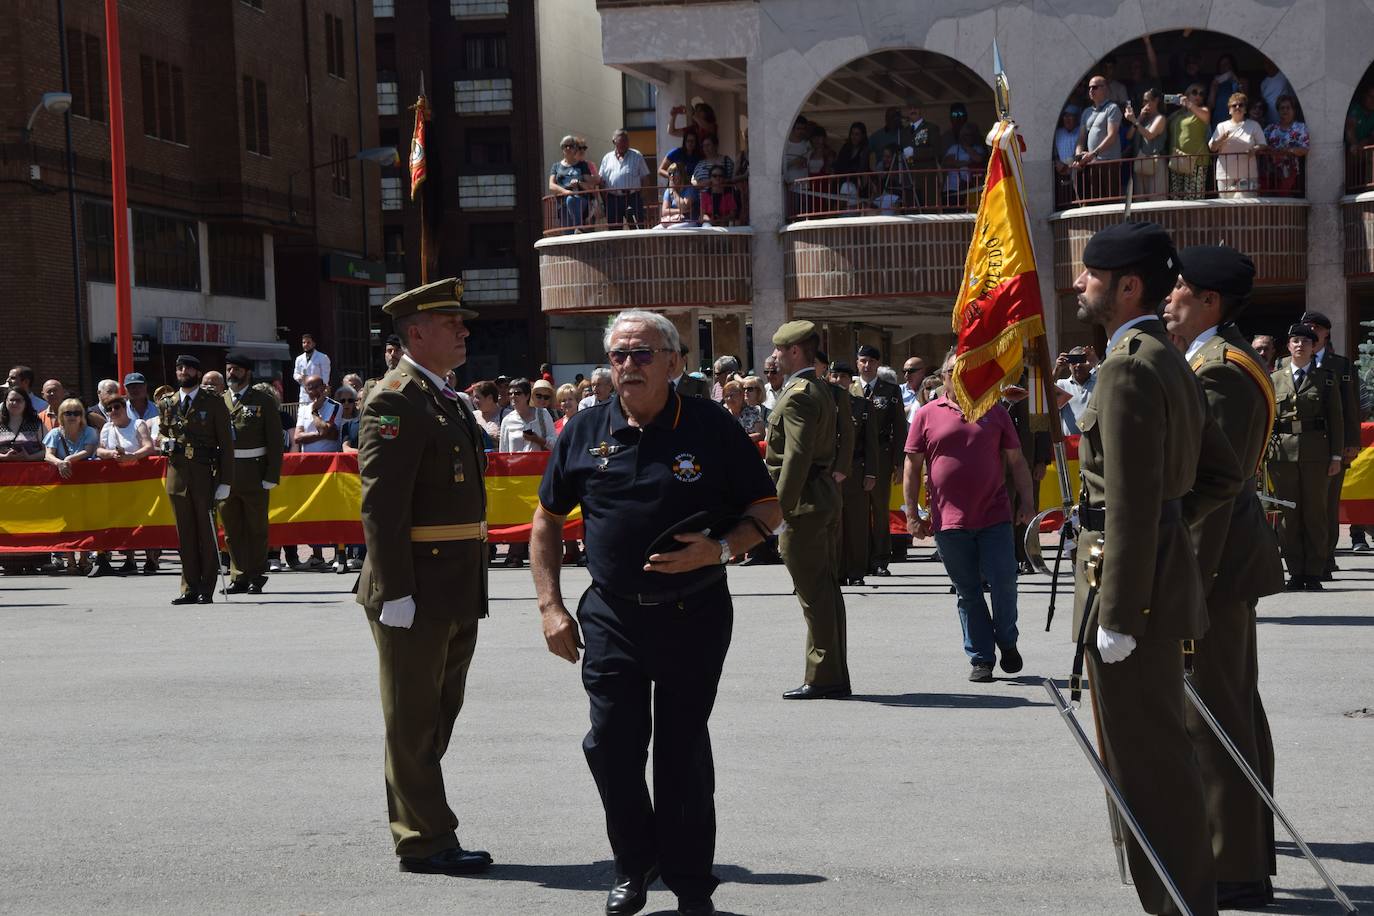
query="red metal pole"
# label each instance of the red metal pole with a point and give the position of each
(124, 319)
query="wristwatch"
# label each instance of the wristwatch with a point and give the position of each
(725, 552)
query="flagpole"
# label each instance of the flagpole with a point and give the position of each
(419, 167)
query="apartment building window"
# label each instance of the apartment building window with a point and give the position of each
(340, 170)
(478, 9)
(97, 237)
(352, 328)
(87, 68)
(334, 45)
(484, 52)
(482, 96)
(641, 101)
(238, 266)
(383, 9)
(492, 243)
(255, 133)
(166, 252)
(387, 98)
(486, 192)
(395, 285)
(488, 146)
(391, 193)
(164, 100)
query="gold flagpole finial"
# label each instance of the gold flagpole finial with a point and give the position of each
(1001, 87)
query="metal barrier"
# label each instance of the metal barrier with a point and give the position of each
(606, 209)
(894, 192)
(1265, 172)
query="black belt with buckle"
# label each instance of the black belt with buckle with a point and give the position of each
(1316, 425)
(673, 597)
(1094, 518)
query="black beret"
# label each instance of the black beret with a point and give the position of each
(1219, 268)
(239, 358)
(821, 357)
(869, 351)
(1316, 318)
(186, 359)
(1144, 245)
(842, 368)
(1303, 330)
(394, 340)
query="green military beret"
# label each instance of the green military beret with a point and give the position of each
(441, 297)
(793, 332)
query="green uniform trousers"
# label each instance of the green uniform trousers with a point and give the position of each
(1333, 516)
(197, 544)
(879, 535)
(1226, 675)
(1146, 745)
(244, 516)
(854, 528)
(1306, 529)
(423, 672)
(808, 551)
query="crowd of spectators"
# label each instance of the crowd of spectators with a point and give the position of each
(1174, 130)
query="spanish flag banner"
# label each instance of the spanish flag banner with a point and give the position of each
(418, 163)
(106, 505)
(998, 308)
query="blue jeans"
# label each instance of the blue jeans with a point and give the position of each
(972, 557)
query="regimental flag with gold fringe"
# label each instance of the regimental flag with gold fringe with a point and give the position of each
(418, 163)
(999, 307)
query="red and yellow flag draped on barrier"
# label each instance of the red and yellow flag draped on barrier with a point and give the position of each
(999, 306)
(111, 506)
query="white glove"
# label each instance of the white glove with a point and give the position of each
(267, 484)
(399, 612)
(909, 152)
(1114, 646)
(221, 492)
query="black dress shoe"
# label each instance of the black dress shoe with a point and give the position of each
(188, 598)
(1327, 577)
(1244, 895)
(629, 893)
(150, 568)
(237, 587)
(205, 598)
(1295, 584)
(1312, 584)
(455, 861)
(696, 908)
(255, 587)
(813, 692)
(1011, 659)
(881, 571)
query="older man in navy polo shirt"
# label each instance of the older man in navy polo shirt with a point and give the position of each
(656, 621)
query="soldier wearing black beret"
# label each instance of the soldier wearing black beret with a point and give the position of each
(1238, 556)
(889, 418)
(258, 450)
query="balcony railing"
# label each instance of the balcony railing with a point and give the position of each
(610, 209)
(1359, 169)
(896, 192)
(1229, 176)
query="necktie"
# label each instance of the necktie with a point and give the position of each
(450, 393)
(1298, 376)
(868, 389)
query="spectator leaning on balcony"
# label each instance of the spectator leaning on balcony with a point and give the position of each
(1099, 139)
(679, 204)
(961, 160)
(1151, 138)
(21, 432)
(1188, 152)
(855, 156)
(568, 178)
(719, 202)
(624, 175)
(1236, 143)
(1065, 148)
(1288, 144)
(820, 160)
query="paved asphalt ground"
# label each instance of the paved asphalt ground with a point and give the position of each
(228, 759)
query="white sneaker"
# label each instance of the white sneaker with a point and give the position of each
(355, 564)
(340, 566)
(273, 566)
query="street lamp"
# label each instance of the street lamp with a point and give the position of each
(56, 102)
(382, 155)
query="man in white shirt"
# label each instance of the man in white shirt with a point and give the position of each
(1272, 86)
(1079, 386)
(310, 362)
(141, 407)
(602, 389)
(317, 428)
(914, 372)
(773, 380)
(623, 175)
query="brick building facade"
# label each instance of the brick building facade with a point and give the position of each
(235, 234)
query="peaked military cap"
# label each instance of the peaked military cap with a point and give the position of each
(868, 351)
(1219, 268)
(239, 358)
(441, 297)
(1303, 330)
(1145, 245)
(187, 359)
(793, 332)
(1316, 318)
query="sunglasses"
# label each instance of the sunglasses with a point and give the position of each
(348, 400)
(71, 413)
(114, 407)
(1237, 106)
(771, 371)
(641, 356)
(581, 147)
(910, 371)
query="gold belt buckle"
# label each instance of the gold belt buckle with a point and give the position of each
(1092, 567)
(190, 451)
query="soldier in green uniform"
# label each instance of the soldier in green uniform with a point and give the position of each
(1151, 462)
(844, 447)
(800, 455)
(859, 482)
(257, 435)
(1348, 382)
(890, 418)
(1238, 557)
(391, 355)
(424, 581)
(198, 443)
(1304, 453)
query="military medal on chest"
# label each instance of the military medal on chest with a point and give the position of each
(604, 451)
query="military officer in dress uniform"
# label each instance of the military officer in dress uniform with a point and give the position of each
(800, 454)
(858, 483)
(1347, 380)
(844, 441)
(196, 438)
(1151, 462)
(1238, 557)
(256, 428)
(889, 416)
(424, 581)
(1304, 453)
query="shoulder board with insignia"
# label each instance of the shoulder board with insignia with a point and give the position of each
(397, 384)
(798, 385)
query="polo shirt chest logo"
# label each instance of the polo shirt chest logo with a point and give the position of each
(686, 468)
(604, 451)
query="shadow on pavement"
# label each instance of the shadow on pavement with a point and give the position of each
(599, 875)
(1319, 900)
(944, 700)
(1321, 620)
(1359, 853)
